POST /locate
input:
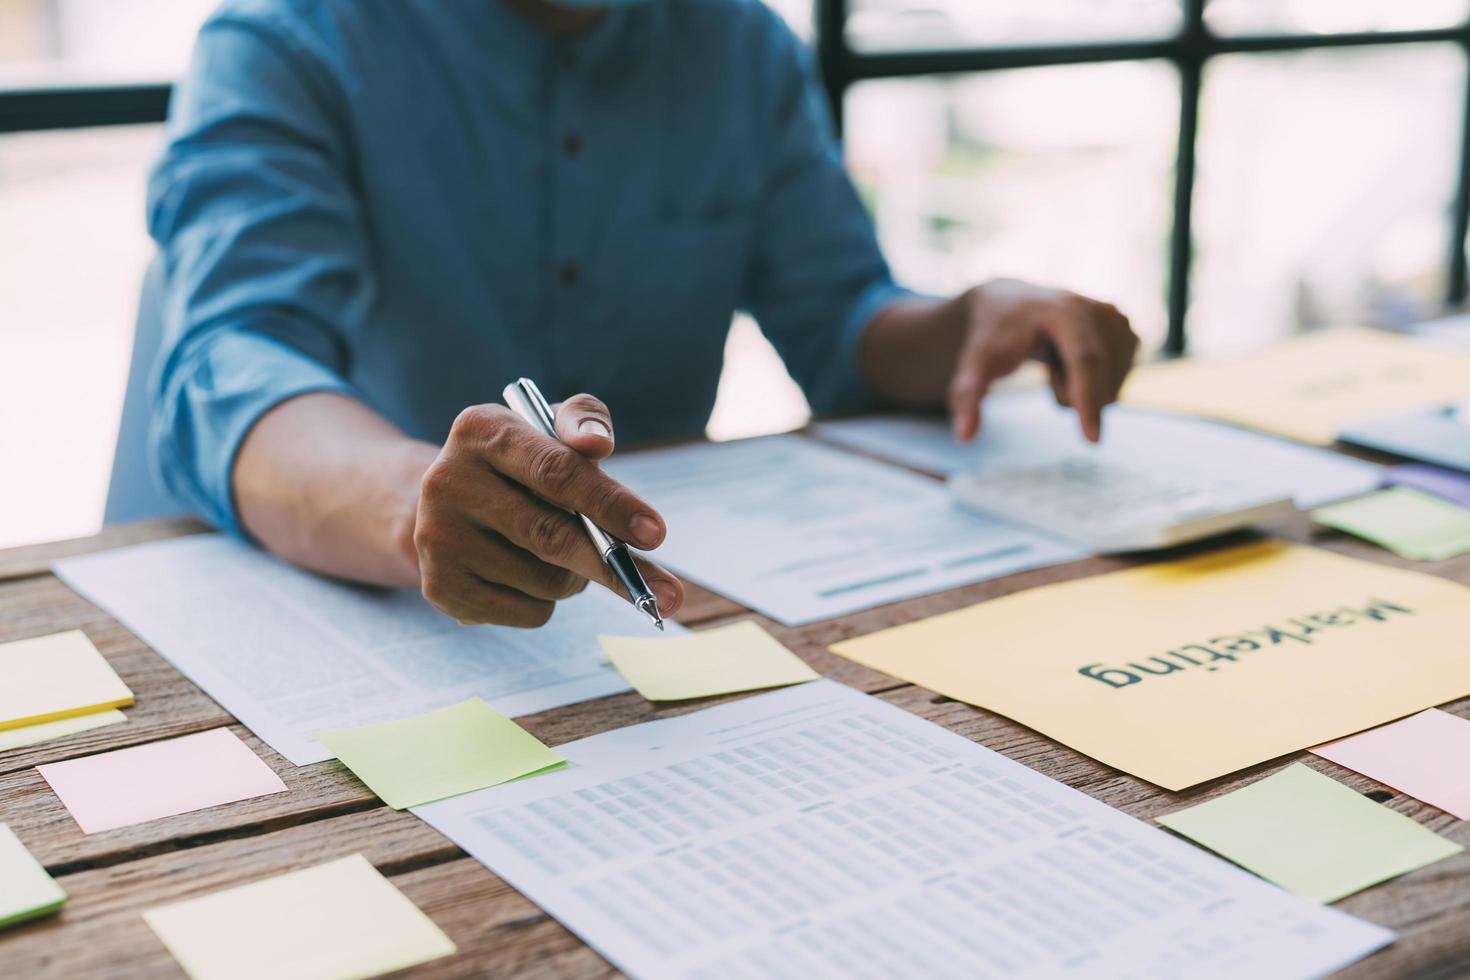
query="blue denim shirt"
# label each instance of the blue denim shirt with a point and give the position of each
(417, 201)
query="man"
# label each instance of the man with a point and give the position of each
(375, 214)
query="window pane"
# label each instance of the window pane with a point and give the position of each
(1323, 190)
(1331, 16)
(58, 42)
(1060, 175)
(74, 247)
(798, 14)
(899, 24)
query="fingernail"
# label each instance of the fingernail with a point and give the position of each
(645, 531)
(594, 427)
(664, 593)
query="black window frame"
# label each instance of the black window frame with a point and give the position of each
(1189, 49)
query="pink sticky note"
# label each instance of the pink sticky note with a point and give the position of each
(128, 786)
(1426, 756)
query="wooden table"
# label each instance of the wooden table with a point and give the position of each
(113, 876)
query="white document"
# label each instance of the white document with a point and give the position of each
(289, 653)
(1027, 428)
(817, 832)
(805, 532)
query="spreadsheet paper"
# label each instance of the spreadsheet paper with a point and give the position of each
(817, 831)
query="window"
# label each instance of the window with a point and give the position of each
(899, 25)
(1322, 190)
(1312, 168)
(73, 42)
(74, 248)
(1059, 175)
(72, 241)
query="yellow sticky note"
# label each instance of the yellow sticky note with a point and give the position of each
(1185, 670)
(439, 754)
(1404, 521)
(26, 890)
(739, 657)
(1311, 835)
(336, 920)
(14, 738)
(54, 677)
(1308, 388)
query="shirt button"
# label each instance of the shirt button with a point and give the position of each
(571, 144)
(570, 273)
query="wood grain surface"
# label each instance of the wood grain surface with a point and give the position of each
(112, 877)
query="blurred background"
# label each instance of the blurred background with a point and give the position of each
(1238, 170)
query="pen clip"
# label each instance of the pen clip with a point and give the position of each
(526, 400)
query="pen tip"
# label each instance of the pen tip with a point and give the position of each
(649, 606)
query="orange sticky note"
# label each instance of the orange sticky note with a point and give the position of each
(128, 786)
(1426, 756)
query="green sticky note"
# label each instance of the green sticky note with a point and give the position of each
(1406, 522)
(26, 890)
(1310, 834)
(739, 657)
(440, 754)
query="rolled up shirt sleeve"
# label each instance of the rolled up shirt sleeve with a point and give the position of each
(817, 276)
(264, 249)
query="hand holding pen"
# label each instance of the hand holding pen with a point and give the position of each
(497, 536)
(526, 400)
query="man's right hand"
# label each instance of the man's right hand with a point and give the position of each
(496, 539)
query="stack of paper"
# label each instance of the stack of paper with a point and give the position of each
(739, 657)
(289, 653)
(1027, 429)
(54, 686)
(1425, 755)
(26, 890)
(443, 753)
(1311, 834)
(341, 919)
(1149, 669)
(1406, 522)
(818, 832)
(804, 532)
(160, 779)
(1309, 388)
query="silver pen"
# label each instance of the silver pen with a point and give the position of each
(526, 400)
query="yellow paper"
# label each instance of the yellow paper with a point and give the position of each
(26, 890)
(14, 738)
(1308, 388)
(336, 920)
(739, 657)
(1186, 670)
(53, 677)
